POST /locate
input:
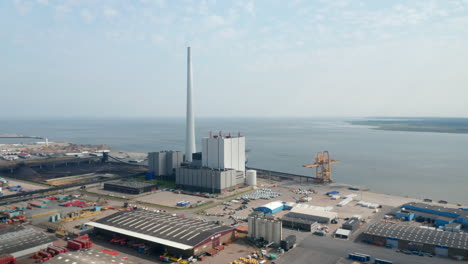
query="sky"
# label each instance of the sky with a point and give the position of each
(269, 58)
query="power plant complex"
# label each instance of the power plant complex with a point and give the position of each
(219, 166)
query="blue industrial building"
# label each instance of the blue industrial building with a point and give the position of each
(438, 215)
(404, 215)
(271, 208)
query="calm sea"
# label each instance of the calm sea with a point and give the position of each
(416, 164)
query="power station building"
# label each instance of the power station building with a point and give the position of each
(164, 163)
(222, 165)
(208, 180)
(224, 152)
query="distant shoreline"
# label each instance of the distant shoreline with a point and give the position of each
(432, 125)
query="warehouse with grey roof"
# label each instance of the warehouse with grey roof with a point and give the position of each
(441, 243)
(177, 235)
(19, 241)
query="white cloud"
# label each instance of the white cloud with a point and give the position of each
(249, 8)
(110, 12)
(229, 33)
(44, 2)
(87, 16)
(23, 6)
(159, 3)
(157, 38)
(214, 21)
(62, 10)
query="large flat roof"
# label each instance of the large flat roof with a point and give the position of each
(420, 235)
(178, 232)
(313, 211)
(22, 238)
(460, 212)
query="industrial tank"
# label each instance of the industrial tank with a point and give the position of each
(251, 227)
(251, 177)
(277, 232)
(269, 231)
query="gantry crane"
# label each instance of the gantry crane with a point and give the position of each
(322, 167)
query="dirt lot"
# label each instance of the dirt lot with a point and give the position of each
(167, 198)
(26, 186)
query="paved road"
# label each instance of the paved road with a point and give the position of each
(327, 250)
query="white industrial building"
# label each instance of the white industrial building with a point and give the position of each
(208, 180)
(224, 152)
(164, 163)
(222, 166)
(311, 214)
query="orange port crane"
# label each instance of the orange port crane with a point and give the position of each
(322, 167)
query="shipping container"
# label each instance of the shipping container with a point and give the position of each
(7, 259)
(288, 243)
(359, 256)
(74, 245)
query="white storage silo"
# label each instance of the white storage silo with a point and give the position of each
(251, 177)
(263, 224)
(251, 227)
(257, 232)
(269, 231)
(277, 232)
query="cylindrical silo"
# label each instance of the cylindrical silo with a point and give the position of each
(252, 177)
(277, 232)
(263, 224)
(269, 231)
(257, 228)
(251, 227)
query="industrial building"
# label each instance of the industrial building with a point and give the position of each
(164, 163)
(19, 241)
(298, 223)
(208, 180)
(224, 152)
(342, 233)
(441, 243)
(222, 166)
(267, 230)
(130, 187)
(438, 215)
(351, 225)
(177, 235)
(312, 214)
(271, 208)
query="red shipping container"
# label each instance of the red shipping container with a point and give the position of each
(84, 243)
(73, 245)
(84, 237)
(44, 254)
(7, 259)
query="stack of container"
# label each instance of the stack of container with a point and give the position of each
(80, 243)
(7, 259)
(55, 250)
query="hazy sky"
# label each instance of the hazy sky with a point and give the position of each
(250, 58)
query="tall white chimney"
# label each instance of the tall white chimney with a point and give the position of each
(190, 132)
